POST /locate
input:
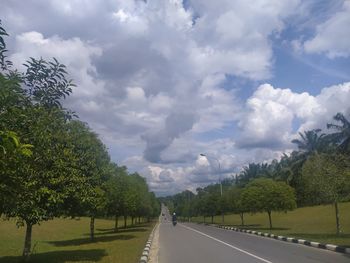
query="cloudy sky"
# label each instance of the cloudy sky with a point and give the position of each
(162, 81)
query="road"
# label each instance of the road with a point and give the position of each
(192, 243)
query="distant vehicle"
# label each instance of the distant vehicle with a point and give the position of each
(162, 214)
(174, 219)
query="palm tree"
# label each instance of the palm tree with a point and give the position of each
(342, 135)
(310, 142)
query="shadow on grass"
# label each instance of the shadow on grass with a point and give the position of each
(246, 226)
(91, 255)
(266, 228)
(124, 228)
(83, 241)
(118, 232)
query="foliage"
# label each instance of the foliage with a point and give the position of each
(342, 135)
(266, 195)
(51, 164)
(327, 177)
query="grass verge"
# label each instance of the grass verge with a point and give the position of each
(315, 223)
(67, 240)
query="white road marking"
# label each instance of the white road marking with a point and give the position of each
(222, 242)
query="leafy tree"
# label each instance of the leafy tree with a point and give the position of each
(33, 188)
(116, 189)
(234, 198)
(266, 195)
(38, 185)
(342, 135)
(327, 179)
(92, 161)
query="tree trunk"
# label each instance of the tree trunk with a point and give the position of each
(203, 219)
(212, 219)
(92, 228)
(132, 220)
(27, 242)
(242, 218)
(125, 218)
(337, 217)
(269, 213)
(223, 218)
(116, 224)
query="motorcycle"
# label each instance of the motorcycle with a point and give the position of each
(174, 223)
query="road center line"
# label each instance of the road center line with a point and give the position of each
(222, 242)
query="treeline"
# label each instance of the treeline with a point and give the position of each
(317, 173)
(52, 164)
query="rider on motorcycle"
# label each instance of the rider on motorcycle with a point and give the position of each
(174, 219)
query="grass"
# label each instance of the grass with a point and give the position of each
(315, 223)
(67, 240)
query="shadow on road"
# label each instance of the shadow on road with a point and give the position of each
(91, 255)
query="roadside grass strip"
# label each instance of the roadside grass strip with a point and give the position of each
(289, 239)
(146, 251)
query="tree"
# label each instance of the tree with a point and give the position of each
(310, 142)
(91, 159)
(116, 188)
(342, 135)
(34, 188)
(234, 199)
(266, 195)
(327, 179)
(37, 186)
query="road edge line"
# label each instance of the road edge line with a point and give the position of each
(229, 245)
(331, 247)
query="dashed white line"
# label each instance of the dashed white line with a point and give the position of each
(229, 245)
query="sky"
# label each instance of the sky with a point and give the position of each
(163, 81)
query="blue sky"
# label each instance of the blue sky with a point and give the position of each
(162, 81)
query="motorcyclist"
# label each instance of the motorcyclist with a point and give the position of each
(174, 219)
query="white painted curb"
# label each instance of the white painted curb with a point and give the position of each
(331, 247)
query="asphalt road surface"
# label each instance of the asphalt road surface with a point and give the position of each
(192, 243)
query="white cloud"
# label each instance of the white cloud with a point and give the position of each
(332, 36)
(268, 121)
(74, 53)
(153, 79)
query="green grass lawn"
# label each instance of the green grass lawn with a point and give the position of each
(315, 223)
(67, 240)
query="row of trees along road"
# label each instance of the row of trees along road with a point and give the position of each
(52, 164)
(317, 173)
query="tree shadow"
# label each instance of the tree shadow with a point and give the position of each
(143, 225)
(91, 255)
(266, 228)
(246, 226)
(258, 227)
(83, 241)
(109, 232)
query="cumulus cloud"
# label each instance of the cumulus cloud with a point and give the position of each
(332, 35)
(270, 112)
(155, 79)
(76, 54)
